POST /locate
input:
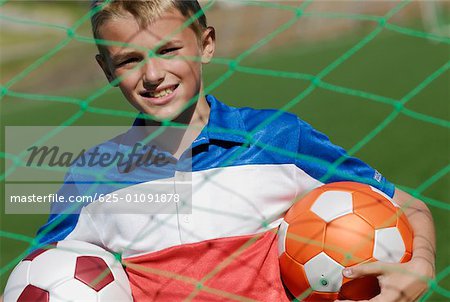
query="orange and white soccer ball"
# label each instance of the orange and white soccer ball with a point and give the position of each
(68, 270)
(335, 226)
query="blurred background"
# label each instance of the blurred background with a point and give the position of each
(372, 75)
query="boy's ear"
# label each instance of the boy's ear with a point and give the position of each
(208, 44)
(105, 67)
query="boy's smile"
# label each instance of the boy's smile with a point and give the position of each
(159, 96)
(159, 93)
(160, 84)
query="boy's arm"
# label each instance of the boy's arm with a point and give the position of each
(405, 281)
(421, 220)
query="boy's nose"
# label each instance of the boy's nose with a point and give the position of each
(153, 74)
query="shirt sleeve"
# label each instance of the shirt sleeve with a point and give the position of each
(63, 216)
(327, 163)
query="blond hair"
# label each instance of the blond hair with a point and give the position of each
(145, 12)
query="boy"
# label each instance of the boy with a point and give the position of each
(241, 186)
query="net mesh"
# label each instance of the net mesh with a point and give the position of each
(396, 107)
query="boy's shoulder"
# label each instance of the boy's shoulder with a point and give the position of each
(254, 120)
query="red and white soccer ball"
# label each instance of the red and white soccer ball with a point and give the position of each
(335, 226)
(68, 270)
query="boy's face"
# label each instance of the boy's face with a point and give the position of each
(162, 85)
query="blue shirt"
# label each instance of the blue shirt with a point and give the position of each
(258, 155)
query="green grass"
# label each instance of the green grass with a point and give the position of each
(408, 151)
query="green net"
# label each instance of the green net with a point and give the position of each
(382, 95)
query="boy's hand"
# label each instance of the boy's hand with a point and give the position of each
(399, 282)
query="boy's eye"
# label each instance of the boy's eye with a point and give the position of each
(127, 62)
(170, 50)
